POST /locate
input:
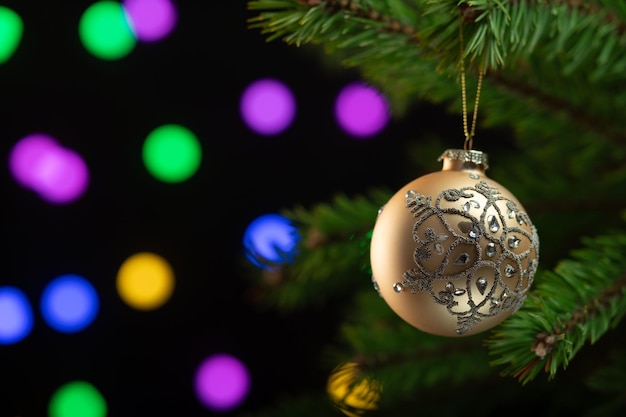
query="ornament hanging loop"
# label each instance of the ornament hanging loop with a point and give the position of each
(469, 134)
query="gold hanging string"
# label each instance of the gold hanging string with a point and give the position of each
(469, 135)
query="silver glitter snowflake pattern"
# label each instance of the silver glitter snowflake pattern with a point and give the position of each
(476, 252)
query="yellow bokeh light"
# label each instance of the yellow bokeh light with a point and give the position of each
(145, 281)
(352, 392)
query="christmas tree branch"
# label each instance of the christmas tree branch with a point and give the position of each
(600, 205)
(296, 23)
(403, 359)
(332, 256)
(315, 404)
(575, 115)
(576, 304)
(497, 31)
(611, 17)
(542, 52)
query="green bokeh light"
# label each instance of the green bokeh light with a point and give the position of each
(77, 399)
(105, 31)
(11, 30)
(172, 153)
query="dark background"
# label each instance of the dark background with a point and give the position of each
(143, 362)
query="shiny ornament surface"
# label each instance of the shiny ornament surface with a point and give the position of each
(351, 392)
(453, 252)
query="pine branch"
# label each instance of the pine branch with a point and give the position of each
(586, 117)
(403, 358)
(316, 404)
(332, 256)
(561, 61)
(498, 32)
(574, 305)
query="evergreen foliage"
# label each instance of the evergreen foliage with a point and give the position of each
(555, 72)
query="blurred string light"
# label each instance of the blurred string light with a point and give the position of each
(269, 240)
(11, 31)
(172, 153)
(361, 110)
(16, 315)
(57, 174)
(109, 30)
(221, 382)
(151, 20)
(105, 30)
(352, 392)
(145, 281)
(267, 106)
(77, 399)
(69, 303)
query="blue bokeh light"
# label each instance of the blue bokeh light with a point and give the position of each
(16, 315)
(270, 239)
(69, 303)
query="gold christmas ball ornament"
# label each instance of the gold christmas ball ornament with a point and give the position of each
(353, 393)
(453, 252)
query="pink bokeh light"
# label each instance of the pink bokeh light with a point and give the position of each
(57, 174)
(268, 106)
(361, 110)
(222, 382)
(151, 20)
(28, 154)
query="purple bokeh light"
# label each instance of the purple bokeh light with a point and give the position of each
(361, 110)
(151, 20)
(267, 106)
(222, 382)
(28, 154)
(59, 175)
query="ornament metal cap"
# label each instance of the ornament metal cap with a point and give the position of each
(464, 160)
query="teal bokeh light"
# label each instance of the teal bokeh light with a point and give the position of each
(77, 399)
(11, 30)
(105, 31)
(172, 153)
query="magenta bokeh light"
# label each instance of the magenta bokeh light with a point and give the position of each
(151, 20)
(361, 110)
(59, 175)
(222, 382)
(267, 106)
(27, 154)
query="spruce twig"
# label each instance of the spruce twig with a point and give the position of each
(574, 305)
